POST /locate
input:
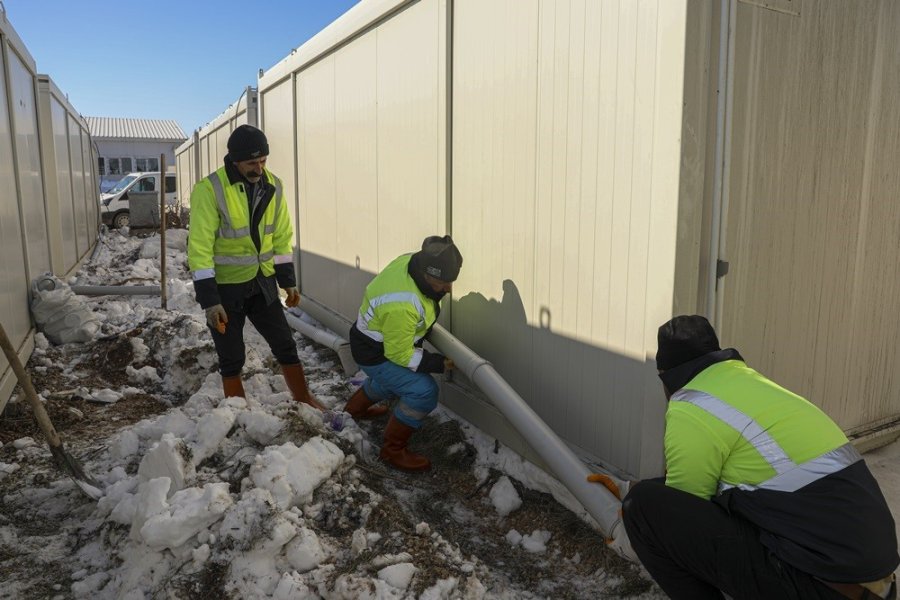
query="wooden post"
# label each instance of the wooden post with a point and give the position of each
(162, 231)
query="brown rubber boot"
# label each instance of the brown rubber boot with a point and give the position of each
(394, 452)
(360, 406)
(233, 386)
(296, 382)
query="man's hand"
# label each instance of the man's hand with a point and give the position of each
(293, 297)
(217, 317)
(448, 364)
(617, 487)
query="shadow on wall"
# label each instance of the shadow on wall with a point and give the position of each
(609, 405)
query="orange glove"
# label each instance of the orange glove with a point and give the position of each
(293, 297)
(616, 487)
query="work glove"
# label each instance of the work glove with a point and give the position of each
(432, 363)
(217, 317)
(293, 297)
(617, 487)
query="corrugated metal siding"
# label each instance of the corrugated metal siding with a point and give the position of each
(135, 129)
(813, 221)
(566, 134)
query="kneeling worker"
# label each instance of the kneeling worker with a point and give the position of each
(398, 310)
(764, 497)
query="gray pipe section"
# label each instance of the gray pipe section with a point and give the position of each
(336, 322)
(116, 290)
(325, 338)
(599, 502)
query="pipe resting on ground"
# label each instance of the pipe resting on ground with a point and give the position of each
(599, 502)
(325, 338)
(116, 290)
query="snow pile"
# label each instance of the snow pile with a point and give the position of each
(258, 497)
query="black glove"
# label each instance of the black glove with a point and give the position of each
(431, 363)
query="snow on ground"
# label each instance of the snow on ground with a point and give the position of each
(212, 497)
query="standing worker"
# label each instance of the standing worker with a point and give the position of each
(764, 497)
(239, 246)
(398, 310)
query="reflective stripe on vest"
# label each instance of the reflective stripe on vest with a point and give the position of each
(243, 260)
(362, 321)
(790, 476)
(226, 230)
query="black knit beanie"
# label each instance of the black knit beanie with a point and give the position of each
(247, 143)
(682, 339)
(440, 258)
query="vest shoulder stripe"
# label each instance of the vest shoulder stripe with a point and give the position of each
(748, 428)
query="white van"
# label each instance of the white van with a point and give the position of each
(114, 203)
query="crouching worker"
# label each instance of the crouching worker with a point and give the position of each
(764, 497)
(239, 251)
(398, 310)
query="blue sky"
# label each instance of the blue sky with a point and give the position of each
(163, 59)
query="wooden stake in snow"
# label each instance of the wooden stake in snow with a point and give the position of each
(162, 231)
(65, 461)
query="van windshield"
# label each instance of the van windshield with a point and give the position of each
(122, 184)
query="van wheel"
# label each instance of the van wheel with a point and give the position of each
(121, 220)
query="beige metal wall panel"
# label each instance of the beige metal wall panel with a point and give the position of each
(317, 178)
(357, 176)
(812, 220)
(14, 312)
(68, 249)
(80, 172)
(371, 139)
(185, 161)
(278, 123)
(205, 167)
(28, 162)
(411, 129)
(566, 166)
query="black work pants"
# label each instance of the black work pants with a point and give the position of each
(695, 550)
(269, 321)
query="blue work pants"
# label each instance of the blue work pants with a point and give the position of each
(418, 392)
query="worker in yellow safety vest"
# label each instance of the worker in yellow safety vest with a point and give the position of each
(764, 497)
(397, 312)
(239, 248)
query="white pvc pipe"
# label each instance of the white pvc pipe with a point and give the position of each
(116, 290)
(327, 339)
(599, 502)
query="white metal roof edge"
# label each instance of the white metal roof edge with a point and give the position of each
(234, 109)
(45, 81)
(130, 139)
(15, 41)
(359, 18)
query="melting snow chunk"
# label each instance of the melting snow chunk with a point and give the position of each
(292, 474)
(505, 497)
(398, 575)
